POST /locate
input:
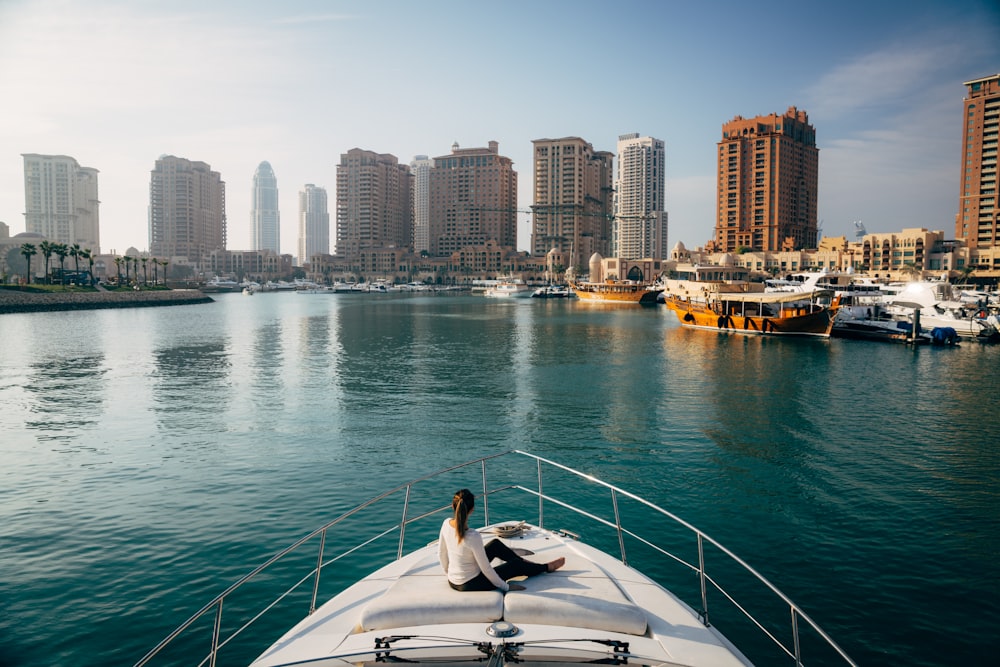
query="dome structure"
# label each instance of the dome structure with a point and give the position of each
(596, 275)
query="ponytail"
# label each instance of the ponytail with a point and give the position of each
(462, 503)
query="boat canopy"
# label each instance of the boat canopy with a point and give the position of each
(771, 297)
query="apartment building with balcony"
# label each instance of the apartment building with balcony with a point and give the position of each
(976, 222)
(768, 181)
(187, 211)
(472, 200)
(60, 200)
(374, 202)
(314, 224)
(573, 202)
(640, 221)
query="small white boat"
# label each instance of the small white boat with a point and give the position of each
(552, 292)
(217, 284)
(508, 287)
(597, 609)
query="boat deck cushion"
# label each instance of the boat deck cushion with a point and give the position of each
(579, 595)
(424, 596)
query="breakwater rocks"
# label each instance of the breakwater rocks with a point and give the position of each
(14, 301)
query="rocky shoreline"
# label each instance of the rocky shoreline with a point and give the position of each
(14, 301)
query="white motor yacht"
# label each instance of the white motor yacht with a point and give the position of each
(599, 608)
(937, 307)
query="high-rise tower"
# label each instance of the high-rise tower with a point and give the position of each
(420, 167)
(265, 224)
(60, 200)
(187, 210)
(768, 177)
(374, 202)
(640, 224)
(572, 207)
(314, 223)
(473, 200)
(976, 222)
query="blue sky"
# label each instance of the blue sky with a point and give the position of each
(115, 84)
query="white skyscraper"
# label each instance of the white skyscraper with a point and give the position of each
(640, 228)
(421, 167)
(60, 200)
(314, 223)
(265, 225)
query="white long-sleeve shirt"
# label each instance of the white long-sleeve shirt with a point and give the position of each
(463, 561)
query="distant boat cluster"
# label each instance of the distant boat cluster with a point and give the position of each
(821, 304)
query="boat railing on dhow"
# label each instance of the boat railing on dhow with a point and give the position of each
(706, 582)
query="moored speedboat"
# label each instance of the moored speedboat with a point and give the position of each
(598, 608)
(938, 307)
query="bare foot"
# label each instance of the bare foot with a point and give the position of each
(556, 564)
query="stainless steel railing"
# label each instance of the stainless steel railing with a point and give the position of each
(706, 582)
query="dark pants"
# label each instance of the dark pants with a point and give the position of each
(513, 566)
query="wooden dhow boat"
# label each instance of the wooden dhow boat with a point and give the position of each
(618, 291)
(597, 609)
(767, 313)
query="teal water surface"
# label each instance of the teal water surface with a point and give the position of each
(151, 457)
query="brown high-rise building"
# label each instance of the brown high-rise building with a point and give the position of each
(573, 200)
(374, 202)
(187, 210)
(768, 180)
(976, 222)
(472, 199)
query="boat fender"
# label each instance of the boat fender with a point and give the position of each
(688, 317)
(765, 324)
(722, 321)
(982, 314)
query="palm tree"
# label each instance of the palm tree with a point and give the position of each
(74, 252)
(28, 250)
(88, 255)
(965, 273)
(118, 265)
(128, 263)
(46, 248)
(163, 263)
(912, 271)
(61, 250)
(145, 273)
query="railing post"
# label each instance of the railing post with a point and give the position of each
(215, 635)
(402, 524)
(541, 518)
(486, 497)
(701, 578)
(795, 637)
(319, 566)
(618, 525)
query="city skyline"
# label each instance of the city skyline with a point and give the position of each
(883, 86)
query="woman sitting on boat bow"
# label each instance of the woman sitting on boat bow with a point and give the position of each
(466, 561)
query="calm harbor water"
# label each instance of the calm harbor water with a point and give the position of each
(151, 457)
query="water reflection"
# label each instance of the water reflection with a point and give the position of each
(266, 364)
(67, 393)
(191, 390)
